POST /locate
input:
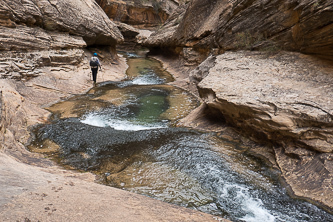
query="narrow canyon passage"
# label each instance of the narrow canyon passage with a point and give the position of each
(124, 133)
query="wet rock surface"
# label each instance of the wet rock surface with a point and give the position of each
(284, 99)
(102, 152)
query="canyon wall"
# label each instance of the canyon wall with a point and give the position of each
(215, 26)
(43, 44)
(34, 34)
(139, 13)
(278, 91)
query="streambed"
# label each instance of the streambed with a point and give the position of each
(124, 132)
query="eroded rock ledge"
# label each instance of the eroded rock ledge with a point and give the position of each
(205, 26)
(35, 34)
(284, 99)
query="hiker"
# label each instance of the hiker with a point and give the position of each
(94, 64)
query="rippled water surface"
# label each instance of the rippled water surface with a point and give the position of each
(122, 131)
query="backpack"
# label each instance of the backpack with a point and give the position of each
(94, 61)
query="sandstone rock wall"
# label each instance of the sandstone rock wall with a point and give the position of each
(138, 13)
(34, 34)
(215, 26)
(303, 26)
(285, 98)
(38, 37)
(77, 17)
(271, 95)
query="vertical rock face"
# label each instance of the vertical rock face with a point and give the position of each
(303, 26)
(41, 33)
(138, 13)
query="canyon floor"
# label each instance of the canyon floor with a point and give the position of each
(34, 188)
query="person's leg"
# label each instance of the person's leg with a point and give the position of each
(94, 74)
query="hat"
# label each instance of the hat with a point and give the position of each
(95, 54)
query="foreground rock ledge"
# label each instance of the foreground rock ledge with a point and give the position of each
(285, 99)
(53, 195)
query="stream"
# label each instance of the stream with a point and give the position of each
(124, 133)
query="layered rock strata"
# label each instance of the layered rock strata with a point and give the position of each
(215, 26)
(138, 13)
(78, 17)
(34, 34)
(38, 38)
(283, 99)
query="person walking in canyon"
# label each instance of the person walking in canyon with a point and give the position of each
(94, 64)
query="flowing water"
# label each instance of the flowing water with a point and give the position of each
(123, 132)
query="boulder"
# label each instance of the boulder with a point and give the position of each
(166, 36)
(285, 97)
(132, 36)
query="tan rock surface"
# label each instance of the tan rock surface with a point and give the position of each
(43, 60)
(284, 99)
(39, 194)
(35, 34)
(141, 14)
(77, 17)
(215, 26)
(289, 93)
